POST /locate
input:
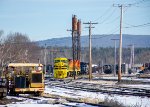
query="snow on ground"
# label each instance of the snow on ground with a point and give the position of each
(126, 78)
(124, 99)
(33, 105)
(137, 86)
(98, 82)
(43, 102)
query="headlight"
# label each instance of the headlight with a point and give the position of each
(39, 68)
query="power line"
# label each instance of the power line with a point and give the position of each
(107, 11)
(115, 19)
(141, 25)
(109, 34)
(108, 16)
(142, 6)
(139, 2)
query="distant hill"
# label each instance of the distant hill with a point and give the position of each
(100, 41)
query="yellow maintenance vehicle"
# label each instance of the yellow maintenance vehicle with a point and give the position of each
(3, 87)
(24, 78)
(3, 84)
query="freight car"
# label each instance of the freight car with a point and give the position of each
(124, 68)
(24, 78)
(108, 69)
(84, 67)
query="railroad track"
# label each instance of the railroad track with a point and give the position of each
(27, 97)
(68, 101)
(110, 89)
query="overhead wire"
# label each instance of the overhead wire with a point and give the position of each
(106, 12)
(142, 6)
(111, 32)
(108, 34)
(114, 31)
(116, 18)
(141, 25)
(108, 17)
(139, 2)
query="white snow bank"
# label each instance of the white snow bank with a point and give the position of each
(124, 99)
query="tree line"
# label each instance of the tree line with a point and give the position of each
(17, 47)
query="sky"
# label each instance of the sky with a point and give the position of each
(46, 19)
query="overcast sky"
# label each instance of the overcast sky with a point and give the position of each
(45, 19)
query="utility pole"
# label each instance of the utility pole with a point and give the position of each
(132, 55)
(53, 55)
(52, 60)
(115, 56)
(120, 44)
(45, 58)
(102, 67)
(90, 52)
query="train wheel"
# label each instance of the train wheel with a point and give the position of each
(71, 74)
(41, 93)
(78, 72)
(16, 94)
(68, 74)
(38, 94)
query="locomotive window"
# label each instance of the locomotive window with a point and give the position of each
(56, 61)
(65, 61)
(37, 78)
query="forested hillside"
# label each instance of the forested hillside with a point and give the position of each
(106, 55)
(100, 41)
(17, 47)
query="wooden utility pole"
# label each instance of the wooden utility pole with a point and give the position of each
(120, 46)
(132, 55)
(90, 52)
(53, 54)
(45, 62)
(115, 56)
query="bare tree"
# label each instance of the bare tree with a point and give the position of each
(17, 47)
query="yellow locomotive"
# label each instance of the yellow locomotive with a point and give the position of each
(25, 78)
(63, 67)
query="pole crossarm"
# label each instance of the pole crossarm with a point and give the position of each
(121, 5)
